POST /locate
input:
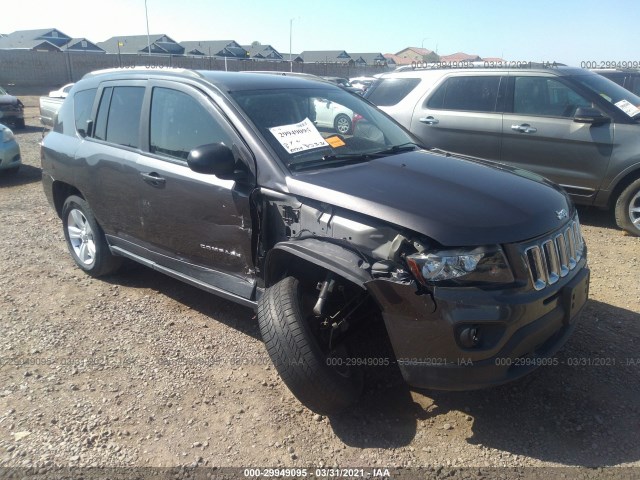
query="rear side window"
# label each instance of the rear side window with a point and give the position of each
(82, 103)
(118, 118)
(179, 124)
(473, 94)
(390, 91)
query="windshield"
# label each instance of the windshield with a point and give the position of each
(612, 93)
(319, 127)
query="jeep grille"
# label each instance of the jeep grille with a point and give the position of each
(553, 257)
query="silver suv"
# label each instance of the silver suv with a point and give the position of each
(570, 125)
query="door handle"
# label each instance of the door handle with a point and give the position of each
(429, 120)
(153, 179)
(524, 128)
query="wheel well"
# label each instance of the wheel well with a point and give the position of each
(62, 191)
(622, 184)
(285, 264)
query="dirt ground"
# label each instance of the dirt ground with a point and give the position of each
(139, 369)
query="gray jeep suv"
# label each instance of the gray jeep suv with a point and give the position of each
(570, 125)
(227, 181)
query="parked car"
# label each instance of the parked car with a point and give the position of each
(62, 92)
(9, 151)
(558, 122)
(342, 83)
(333, 115)
(627, 78)
(11, 109)
(362, 83)
(222, 180)
(49, 107)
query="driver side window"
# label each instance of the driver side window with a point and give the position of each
(547, 97)
(179, 123)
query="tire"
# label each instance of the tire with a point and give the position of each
(628, 209)
(342, 124)
(85, 239)
(12, 170)
(20, 123)
(296, 353)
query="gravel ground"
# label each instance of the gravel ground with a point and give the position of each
(139, 369)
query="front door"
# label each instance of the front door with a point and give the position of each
(539, 134)
(200, 224)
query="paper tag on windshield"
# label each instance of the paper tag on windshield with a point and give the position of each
(299, 137)
(627, 107)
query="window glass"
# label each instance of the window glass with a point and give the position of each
(124, 116)
(389, 91)
(100, 129)
(546, 96)
(82, 103)
(179, 124)
(328, 127)
(475, 94)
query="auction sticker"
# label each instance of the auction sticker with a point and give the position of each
(627, 107)
(299, 137)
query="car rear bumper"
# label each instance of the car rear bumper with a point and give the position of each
(9, 155)
(517, 331)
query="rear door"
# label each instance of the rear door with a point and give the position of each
(539, 134)
(196, 224)
(111, 156)
(463, 115)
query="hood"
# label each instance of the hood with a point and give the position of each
(455, 200)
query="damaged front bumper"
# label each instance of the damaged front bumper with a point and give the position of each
(468, 338)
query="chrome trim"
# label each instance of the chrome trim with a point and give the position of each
(552, 258)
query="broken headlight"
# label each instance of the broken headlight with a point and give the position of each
(482, 265)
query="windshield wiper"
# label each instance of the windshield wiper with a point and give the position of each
(405, 147)
(329, 160)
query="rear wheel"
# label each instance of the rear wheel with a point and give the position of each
(628, 209)
(85, 239)
(306, 350)
(20, 123)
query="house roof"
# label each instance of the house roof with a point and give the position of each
(7, 43)
(263, 51)
(421, 52)
(160, 43)
(322, 56)
(33, 39)
(295, 57)
(76, 44)
(52, 35)
(370, 58)
(459, 57)
(214, 48)
(398, 60)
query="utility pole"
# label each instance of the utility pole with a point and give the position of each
(146, 13)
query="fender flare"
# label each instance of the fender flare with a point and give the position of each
(333, 257)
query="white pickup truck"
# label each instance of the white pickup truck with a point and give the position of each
(49, 107)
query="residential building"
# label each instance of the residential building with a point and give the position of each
(326, 56)
(160, 44)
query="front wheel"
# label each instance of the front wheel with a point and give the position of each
(628, 209)
(85, 239)
(318, 377)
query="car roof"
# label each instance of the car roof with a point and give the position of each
(561, 70)
(225, 81)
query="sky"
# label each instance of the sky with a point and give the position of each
(564, 31)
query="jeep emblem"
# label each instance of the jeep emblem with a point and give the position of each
(561, 214)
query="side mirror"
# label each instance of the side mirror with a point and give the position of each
(213, 159)
(590, 115)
